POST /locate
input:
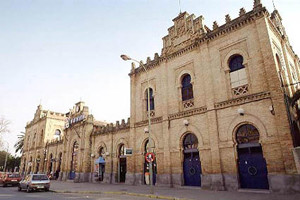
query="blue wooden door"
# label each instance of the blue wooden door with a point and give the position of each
(72, 175)
(253, 169)
(192, 169)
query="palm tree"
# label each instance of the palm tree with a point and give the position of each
(20, 143)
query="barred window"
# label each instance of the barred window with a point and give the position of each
(186, 88)
(151, 99)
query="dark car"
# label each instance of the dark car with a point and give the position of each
(10, 179)
(35, 182)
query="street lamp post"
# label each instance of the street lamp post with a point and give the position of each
(150, 148)
(6, 156)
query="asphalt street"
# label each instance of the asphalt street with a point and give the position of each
(11, 193)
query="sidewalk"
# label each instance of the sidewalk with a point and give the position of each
(166, 192)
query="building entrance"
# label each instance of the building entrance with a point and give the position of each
(74, 160)
(191, 164)
(122, 168)
(252, 165)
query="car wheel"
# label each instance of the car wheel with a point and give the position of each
(28, 189)
(46, 189)
(4, 185)
(19, 188)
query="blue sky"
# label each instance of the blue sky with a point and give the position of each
(60, 51)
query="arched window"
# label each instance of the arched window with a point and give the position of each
(122, 150)
(151, 99)
(101, 152)
(236, 63)
(247, 134)
(57, 134)
(190, 141)
(33, 140)
(238, 75)
(186, 88)
(28, 142)
(146, 147)
(42, 137)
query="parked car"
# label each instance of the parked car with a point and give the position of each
(35, 182)
(10, 179)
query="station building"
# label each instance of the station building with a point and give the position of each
(224, 114)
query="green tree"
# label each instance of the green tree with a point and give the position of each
(20, 143)
(12, 161)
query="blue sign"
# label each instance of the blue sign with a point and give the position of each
(100, 160)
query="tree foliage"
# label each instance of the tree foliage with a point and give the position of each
(11, 163)
(20, 143)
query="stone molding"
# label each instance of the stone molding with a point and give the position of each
(187, 113)
(145, 122)
(242, 100)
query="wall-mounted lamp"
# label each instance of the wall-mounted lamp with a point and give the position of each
(185, 122)
(92, 155)
(271, 109)
(146, 130)
(241, 111)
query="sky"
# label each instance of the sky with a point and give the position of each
(58, 52)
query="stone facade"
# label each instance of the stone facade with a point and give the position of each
(223, 100)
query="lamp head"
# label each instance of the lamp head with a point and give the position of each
(241, 111)
(125, 57)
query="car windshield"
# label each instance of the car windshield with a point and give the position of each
(39, 177)
(13, 176)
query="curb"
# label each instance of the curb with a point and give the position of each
(153, 196)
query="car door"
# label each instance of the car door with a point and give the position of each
(23, 182)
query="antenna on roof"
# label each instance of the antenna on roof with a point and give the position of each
(179, 3)
(273, 4)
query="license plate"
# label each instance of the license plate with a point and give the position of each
(40, 186)
(14, 180)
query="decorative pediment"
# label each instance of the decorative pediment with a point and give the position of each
(186, 28)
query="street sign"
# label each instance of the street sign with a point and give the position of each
(128, 151)
(150, 157)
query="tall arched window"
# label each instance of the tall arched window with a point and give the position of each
(151, 99)
(186, 88)
(28, 142)
(238, 75)
(42, 138)
(236, 63)
(101, 152)
(33, 140)
(122, 150)
(146, 147)
(57, 134)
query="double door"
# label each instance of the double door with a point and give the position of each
(253, 172)
(192, 169)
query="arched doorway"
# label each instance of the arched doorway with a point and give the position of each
(50, 164)
(147, 166)
(191, 163)
(122, 165)
(37, 167)
(101, 164)
(75, 149)
(59, 165)
(252, 166)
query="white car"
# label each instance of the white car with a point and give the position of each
(35, 182)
